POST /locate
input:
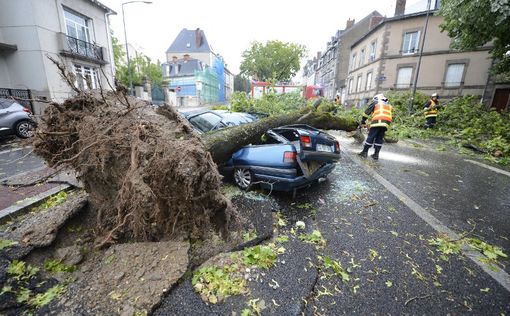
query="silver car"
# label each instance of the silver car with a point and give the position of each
(15, 119)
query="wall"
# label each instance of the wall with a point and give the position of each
(206, 58)
(434, 63)
(34, 26)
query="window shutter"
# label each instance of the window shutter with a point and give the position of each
(454, 75)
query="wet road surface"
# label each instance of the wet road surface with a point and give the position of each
(380, 242)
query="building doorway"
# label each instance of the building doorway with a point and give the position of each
(501, 99)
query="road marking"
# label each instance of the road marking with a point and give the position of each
(13, 150)
(506, 173)
(499, 275)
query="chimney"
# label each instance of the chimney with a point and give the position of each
(198, 37)
(174, 59)
(349, 23)
(400, 7)
(319, 55)
(186, 57)
(374, 21)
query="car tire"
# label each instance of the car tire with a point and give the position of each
(243, 178)
(24, 129)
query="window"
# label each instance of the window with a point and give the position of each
(369, 81)
(77, 26)
(454, 75)
(350, 85)
(373, 48)
(353, 61)
(358, 84)
(411, 40)
(86, 77)
(404, 77)
(362, 57)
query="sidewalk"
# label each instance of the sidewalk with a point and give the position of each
(11, 195)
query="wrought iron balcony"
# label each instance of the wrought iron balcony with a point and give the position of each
(77, 48)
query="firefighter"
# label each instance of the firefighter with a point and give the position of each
(431, 109)
(380, 112)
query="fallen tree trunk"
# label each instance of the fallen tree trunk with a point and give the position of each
(223, 143)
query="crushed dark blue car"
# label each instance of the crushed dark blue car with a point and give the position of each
(288, 158)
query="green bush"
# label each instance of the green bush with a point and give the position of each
(270, 103)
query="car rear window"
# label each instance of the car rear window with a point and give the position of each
(5, 103)
(206, 121)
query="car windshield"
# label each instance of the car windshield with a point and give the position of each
(205, 121)
(235, 118)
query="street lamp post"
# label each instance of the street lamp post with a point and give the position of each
(410, 108)
(127, 50)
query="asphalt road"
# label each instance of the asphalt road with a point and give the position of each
(15, 158)
(381, 239)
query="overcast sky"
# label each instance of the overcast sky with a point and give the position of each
(230, 26)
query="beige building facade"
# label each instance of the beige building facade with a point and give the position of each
(387, 57)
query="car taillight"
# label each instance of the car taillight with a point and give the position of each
(27, 110)
(289, 156)
(306, 141)
(337, 146)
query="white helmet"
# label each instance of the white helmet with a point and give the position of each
(435, 95)
(380, 97)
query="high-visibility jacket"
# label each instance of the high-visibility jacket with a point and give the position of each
(431, 109)
(381, 114)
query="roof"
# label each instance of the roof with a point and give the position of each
(392, 19)
(187, 68)
(102, 6)
(187, 42)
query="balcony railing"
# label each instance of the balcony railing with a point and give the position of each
(78, 48)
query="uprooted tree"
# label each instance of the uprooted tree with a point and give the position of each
(148, 174)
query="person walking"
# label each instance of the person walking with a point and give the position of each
(380, 113)
(431, 109)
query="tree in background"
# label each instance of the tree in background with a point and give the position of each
(141, 66)
(274, 61)
(473, 23)
(241, 83)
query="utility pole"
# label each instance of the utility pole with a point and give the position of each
(410, 108)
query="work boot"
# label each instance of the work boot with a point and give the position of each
(375, 155)
(364, 152)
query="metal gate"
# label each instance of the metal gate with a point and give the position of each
(157, 94)
(22, 96)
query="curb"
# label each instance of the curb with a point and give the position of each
(28, 202)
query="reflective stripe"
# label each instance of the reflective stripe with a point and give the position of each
(378, 145)
(368, 143)
(432, 112)
(382, 112)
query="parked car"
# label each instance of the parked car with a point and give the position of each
(15, 119)
(209, 120)
(288, 158)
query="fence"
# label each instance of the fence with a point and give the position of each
(22, 96)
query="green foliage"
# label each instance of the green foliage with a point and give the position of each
(314, 238)
(118, 52)
(252, 234)
(274, 60)
(216, 283)
(261, 256)
(141, 67)
(220, 107)
(335, 266)
(473, 23)
(20, 271)
(6, 243)
(42, 299)
(463, 119)
(270, 103)
(448, 247)
(57, 266)
(54, 200)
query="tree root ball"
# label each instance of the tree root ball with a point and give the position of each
(145, 169)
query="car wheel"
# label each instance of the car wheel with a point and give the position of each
(243, 178)
(24, 129)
